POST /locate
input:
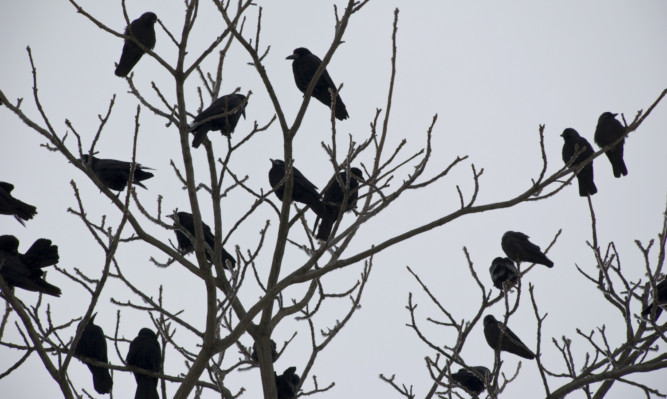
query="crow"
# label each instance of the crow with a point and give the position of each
(223, 115)
(660, 299)
(304, 66)
(145, 353)
(607, 131)
(517, 247)
(500, 337)
(503, 271)
(333, 199)
(25, 270)
(274, 352)
(93, 345)
(473, 381)
(11, 206)
(287, 384)
(302, 190)
(185, 245)
(116, 174)
(574, 144)
(144, 32)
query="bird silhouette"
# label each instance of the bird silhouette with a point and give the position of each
(25, 270)
(333, 199)
(502, 270)
(116, 174)
(517, 247)
(575, 144)
(223, 115)
(287, 384)
(500, 337)
(145, 353)
(607, 131)
(185, 245)
(304, 66)
(473, 380)
(92, 344)
(143, 30)
(303, 190)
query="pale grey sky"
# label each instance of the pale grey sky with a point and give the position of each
(492, 71)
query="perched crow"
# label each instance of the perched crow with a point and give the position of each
(143, 30)
(11, 206)
(504, 340)
(93, 345)
(116, 174)
(303, 190)
(607, 131)
(471, 381)
(334, 196)
(287, 384)
(660, 298)
(304, 65)
(223, 115)
(145, 353)
(186, 246)
(503, 270)
(575, 143)
(274, 352)
(517, 247)
(25, 270)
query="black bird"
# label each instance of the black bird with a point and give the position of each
(503, 270)
(517, 247)
(11, 206)
(186, 220)
(304, 66)
(302, 190)
(500, 337)
(287, 384)
(608, 130)
(274, 352)
(660, 298)
(143, 30)
(471, 381)
(93, 345)
(575, 143)
(333, 199)
(145, 353)
(116, 174)
(25, 270)
(223, 115)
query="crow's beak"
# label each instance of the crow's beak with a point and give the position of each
(290, 57)
(243, 113)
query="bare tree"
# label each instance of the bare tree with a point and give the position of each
(207, 352)
(593, 370)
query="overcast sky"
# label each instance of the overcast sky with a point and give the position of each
(492, 72)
